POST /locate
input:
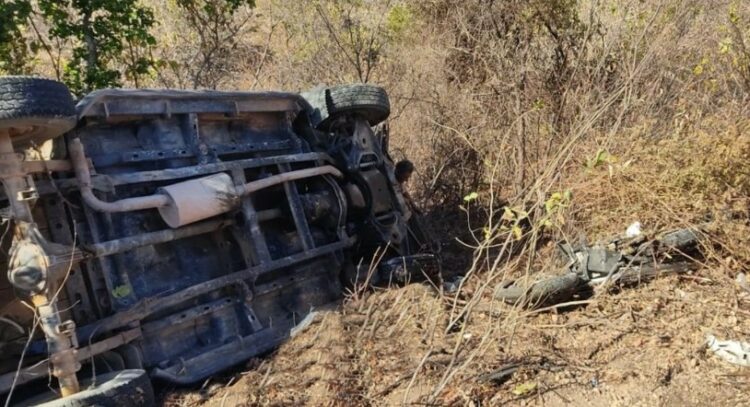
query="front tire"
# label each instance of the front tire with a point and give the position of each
(369, 101)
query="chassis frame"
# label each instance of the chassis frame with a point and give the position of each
(187, 302)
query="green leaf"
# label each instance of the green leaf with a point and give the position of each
(524, 388)
(487, 233)
(600, 158)
(399, 19)
(471, 197)
(517, 232)
(121, 291)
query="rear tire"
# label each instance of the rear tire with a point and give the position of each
(34, 110)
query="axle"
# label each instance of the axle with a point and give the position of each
(29, 269)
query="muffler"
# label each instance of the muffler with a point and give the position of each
(198, 199)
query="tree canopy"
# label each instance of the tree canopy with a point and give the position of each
(98, 43)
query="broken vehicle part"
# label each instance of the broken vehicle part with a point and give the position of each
(188, 231)
(617, 261)
(547, 291)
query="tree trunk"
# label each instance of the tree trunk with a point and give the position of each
(92, 56)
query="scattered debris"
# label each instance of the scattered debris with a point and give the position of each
(552, 290)
(633, 230)
(501, 374)
(734, 352)
(617, 261)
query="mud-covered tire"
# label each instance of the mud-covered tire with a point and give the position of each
(116, 389)
(634, 275)
(548, 291)
(368, 101)
(35, 109)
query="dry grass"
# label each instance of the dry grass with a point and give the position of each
(639, 110)
(649, 91)
(637, 347)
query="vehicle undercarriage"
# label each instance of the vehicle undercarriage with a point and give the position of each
(173, 234)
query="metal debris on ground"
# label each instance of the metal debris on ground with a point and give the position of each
(501, 374)
(629, 259)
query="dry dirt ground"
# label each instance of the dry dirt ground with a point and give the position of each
(642, 345)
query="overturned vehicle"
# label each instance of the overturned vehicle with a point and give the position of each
(173, 234)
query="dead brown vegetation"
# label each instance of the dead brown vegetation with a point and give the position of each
(637, 109)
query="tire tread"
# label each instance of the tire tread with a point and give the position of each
(28, 96)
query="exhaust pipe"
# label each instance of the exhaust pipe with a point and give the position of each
(188, 201)
(81, 168)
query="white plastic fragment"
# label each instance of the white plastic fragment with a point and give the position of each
(633, 230)
(734, 352)
(742, 282)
